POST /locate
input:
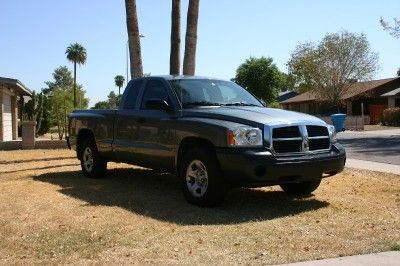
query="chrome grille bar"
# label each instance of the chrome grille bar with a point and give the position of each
(284, 140)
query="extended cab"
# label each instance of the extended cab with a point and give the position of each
(212, 133)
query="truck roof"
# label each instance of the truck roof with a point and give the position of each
(179, 77)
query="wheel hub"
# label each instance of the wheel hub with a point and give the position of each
(88, 159)
(197, 178)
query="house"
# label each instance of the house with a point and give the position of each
(12, 93)
(373, 96)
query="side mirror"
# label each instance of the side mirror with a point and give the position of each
(157, 104)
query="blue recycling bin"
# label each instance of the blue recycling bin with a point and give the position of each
(338, 121)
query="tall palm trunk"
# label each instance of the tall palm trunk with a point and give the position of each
(74, 85)
(119, 96)
(135, 54)
(189, 61)
(174, 57)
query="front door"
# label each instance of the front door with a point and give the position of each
(156, 137)
(375, 113)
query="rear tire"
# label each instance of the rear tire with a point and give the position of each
(93, 166)
(301, 189)
(202, 181)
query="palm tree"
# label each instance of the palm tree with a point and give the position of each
(76, 53)
(189, 61)
(174, 57)
(119, 82)
(134, 39)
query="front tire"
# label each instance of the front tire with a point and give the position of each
(202, 181)
(301, 189)
(93, 166)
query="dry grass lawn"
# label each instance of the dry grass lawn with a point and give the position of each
(50, 213)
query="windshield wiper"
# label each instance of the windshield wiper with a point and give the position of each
(200, 103)
(241, 104)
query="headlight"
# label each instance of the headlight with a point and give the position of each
(332, 133)
(244, 136)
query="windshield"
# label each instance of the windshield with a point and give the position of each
(207, 92)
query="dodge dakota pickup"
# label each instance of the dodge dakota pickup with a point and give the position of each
(213, 134)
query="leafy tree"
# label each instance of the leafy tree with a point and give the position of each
(189, 60)
(60, 92)
(174, 58)
(37, 109)
(111, 103)
(328, 66)
(260, 76)
(393, 30)
(62, 78)
(113, 100)
(101, 105)
(76, 53)
(47, 118)
(119, 82)
(135, 53)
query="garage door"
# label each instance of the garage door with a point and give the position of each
(7, 121)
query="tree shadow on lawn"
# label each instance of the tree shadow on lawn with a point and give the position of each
(159, 196)
(36, 160)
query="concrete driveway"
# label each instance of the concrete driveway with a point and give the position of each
(378, 146)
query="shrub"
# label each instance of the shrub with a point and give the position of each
(391, 117)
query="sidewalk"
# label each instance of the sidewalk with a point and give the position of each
(390, 258)
(384, 132)
(373, 166)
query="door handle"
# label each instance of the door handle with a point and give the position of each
(141, 120)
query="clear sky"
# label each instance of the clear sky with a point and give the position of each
(34, 35)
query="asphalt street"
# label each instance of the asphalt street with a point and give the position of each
(383, 148)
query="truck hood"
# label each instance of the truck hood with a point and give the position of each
(252, 115)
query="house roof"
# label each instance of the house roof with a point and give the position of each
(16, 85)
(392, 93)
(355, 89)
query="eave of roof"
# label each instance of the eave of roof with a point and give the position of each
(394, 92)
(304, 97)
(16, 84)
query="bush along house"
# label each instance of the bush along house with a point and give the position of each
(372, 96)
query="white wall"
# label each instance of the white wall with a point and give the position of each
(7, 118)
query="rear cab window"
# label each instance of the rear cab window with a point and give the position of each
(132, 94)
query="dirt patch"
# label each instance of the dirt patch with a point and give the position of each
(50, 213)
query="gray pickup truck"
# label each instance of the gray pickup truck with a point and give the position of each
(213, 134)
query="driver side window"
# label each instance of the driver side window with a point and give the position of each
(154, 90)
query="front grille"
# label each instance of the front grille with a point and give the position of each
(319, 144)
(316, 131)
(300, 139)
(286, 146)
(286, 132)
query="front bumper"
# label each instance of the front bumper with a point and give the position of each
(255, 168)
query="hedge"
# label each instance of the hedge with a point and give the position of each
(391, 117)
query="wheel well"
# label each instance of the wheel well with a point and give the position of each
(191, 143)
(82, 135)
